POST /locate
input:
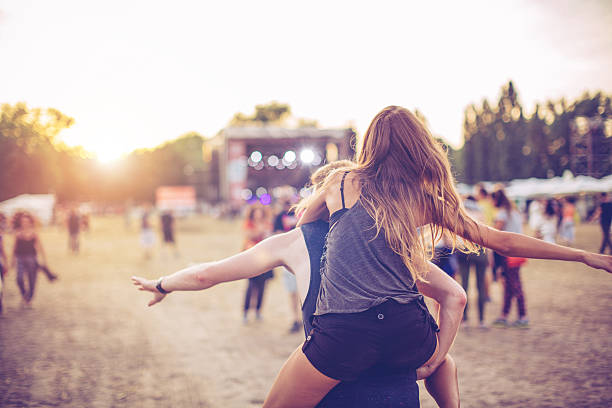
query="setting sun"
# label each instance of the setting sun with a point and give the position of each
(104, 155)
(104, 150)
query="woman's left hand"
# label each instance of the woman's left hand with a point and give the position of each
(598, 261)
(149, 286)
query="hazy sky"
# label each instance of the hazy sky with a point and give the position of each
(136, 73)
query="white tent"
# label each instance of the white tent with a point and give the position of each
(40, 205)
(567, 185)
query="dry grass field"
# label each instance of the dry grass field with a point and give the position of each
(90, 341)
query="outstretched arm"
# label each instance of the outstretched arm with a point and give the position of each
(452, 299)
(264, 256)
(519, 245)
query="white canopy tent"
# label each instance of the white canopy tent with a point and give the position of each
(557, 186)
(39, 205)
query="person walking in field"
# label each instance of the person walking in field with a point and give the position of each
(604, 213)
(74, 227)
(166, 221)
(547, 229)
(479, 262)
(26, 254)
(256, 228)
(568, 226)
(483, 199)
(509, 219)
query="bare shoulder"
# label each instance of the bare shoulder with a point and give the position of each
(288, 246)
(285, 241)
(290, 237)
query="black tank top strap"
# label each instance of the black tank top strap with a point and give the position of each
(342, 188)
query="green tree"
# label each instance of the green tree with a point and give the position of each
(266, 114)
(28, 153)
(502, 144)
(513, 130)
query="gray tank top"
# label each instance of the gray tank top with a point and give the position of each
(358, 269)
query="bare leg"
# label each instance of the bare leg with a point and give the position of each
(443, 385)
(298, 384)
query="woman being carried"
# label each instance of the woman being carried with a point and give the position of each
(300, 251)
(369, 310)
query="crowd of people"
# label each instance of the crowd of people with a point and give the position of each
(552, 220)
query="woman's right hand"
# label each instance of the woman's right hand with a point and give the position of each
(598, 261)
(428, 368)
(149, 286)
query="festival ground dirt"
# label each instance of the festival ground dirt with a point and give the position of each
(90, 341)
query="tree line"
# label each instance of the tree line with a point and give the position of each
(501, 143)
(33, 160)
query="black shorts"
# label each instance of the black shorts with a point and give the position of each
(393, 335)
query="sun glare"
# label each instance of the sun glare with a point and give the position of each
(104, 151)
(106, 154)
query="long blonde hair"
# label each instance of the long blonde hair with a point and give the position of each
(406, 180)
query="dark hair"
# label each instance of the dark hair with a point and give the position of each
(500, 200)
(604, 194)
(18, 218)
(471, 198)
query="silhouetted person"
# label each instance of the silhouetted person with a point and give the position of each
(74, 228)
(26, 253)
(604, 212)
(167, 229)
(256, 228)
